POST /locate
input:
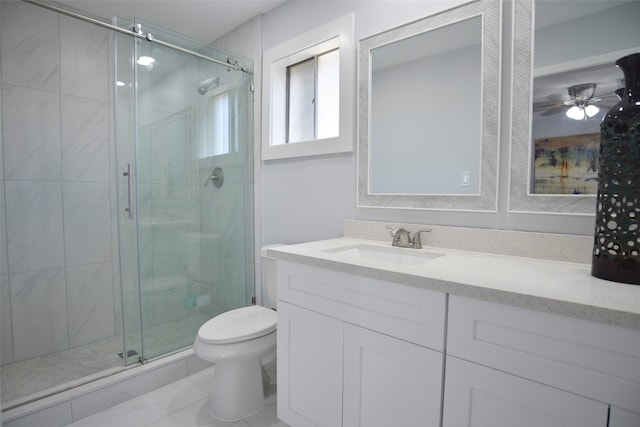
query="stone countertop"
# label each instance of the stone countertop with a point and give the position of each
(562, 288)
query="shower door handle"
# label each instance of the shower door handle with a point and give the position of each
(129, 207)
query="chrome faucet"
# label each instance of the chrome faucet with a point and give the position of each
(416, 243)
(402, 238)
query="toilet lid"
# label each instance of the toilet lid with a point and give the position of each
(237, 325)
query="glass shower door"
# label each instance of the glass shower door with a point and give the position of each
(194, 241)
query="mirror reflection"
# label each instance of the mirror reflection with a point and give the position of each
(426, 112)
(574, 85)
(567, 110)
(564, 80)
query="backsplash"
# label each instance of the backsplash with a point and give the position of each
(555, 247)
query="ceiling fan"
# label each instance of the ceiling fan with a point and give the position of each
(580, 106)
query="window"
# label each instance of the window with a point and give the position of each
(313, 101)
(309, 103)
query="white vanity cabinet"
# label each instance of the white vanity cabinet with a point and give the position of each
(356, 351)
(365, 342)
(513, 366)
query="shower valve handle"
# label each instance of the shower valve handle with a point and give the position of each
(217, 177)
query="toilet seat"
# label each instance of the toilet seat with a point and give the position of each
(238, 325)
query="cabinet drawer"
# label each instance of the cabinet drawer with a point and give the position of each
(588, 358)
(412, 314)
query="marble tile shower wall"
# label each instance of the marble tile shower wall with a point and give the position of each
(58, 259)
(224, 211)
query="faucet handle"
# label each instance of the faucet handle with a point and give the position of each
(394, 233)
(416, 243)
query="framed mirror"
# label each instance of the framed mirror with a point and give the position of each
(429, 96)
(564, 81)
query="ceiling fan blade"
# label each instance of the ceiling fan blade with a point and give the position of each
(604, 96)
(545, 105)
(556, 110)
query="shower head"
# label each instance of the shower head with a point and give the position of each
(206, 84)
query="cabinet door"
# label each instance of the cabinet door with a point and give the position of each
(476, 396)
(389, 382)
(622, 418)
(598, 361)
(309, 368)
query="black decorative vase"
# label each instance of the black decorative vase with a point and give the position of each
(616, 248)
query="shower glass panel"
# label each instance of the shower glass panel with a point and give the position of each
(125, 135)
(189, 244)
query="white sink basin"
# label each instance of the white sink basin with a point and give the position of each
(386, 254)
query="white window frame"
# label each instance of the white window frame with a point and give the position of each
(335, 34)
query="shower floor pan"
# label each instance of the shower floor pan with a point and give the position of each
(42, 376)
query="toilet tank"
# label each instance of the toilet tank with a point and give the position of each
(269, 277)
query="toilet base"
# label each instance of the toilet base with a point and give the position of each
(238, 389)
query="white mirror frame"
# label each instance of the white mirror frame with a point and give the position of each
(491, 13)
(520, 197)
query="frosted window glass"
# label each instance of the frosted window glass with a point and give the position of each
(301, 97)
(221, 124)
(328, 102)
(216, 127)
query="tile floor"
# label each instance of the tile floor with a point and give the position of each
(179, 404)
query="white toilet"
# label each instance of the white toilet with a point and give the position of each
(242, 345)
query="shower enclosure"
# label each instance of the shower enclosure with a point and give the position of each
(118, 238)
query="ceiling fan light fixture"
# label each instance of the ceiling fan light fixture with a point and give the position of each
(591, 110)
(576, 113)
(582, 112)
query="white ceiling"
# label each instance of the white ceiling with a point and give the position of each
(202, 20)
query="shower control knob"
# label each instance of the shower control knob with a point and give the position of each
(217, 177)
